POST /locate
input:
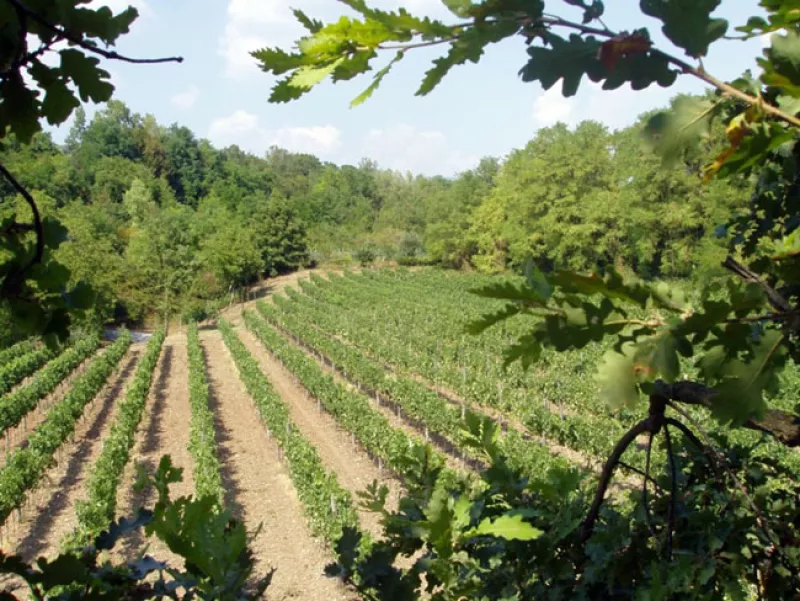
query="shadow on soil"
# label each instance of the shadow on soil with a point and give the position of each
(35, 541)
(221, 438)
(134, 543)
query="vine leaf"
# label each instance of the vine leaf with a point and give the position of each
(507, 527)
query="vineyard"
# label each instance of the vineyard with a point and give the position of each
(287, 407)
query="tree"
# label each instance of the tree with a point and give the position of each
(740, 336)
(33, 287)
(280, 236)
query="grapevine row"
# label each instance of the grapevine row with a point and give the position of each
(19, 403)
(589, 433)
(416, 400)
(99, 508)
(402, 454)
(329, 507)
(207, 474)
(13, 372)
(17, 350)
(26, 466)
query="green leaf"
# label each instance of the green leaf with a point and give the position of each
(658, 356)
(376, 81)
(277, 61)
(744, 381)
(486, 321)
(507, 527)
(308, 76)
(616, 376)
(59, 102)
(513, 291)
(672, 132)
(460, 8)
(284, 91)
(687, 23)
(468, 46)
(311, 25)
(88, 77)
(567, 60)
(19, 110)
(782, 67)
(753, 150)
(611, 285)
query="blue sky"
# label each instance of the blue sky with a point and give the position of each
(479, 110)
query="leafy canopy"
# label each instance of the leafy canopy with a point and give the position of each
(33, 286)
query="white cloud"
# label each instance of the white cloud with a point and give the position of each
(614, 108)
(321, 140)
(254, 24)
(187, 99)
(245, 130)
(551, 107)
(406, 148)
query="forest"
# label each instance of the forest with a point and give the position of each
(162, 223)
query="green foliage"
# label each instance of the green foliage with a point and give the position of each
(207, 475)
(25, 466)
(34, 287)
(15, 405)
(328, 506)
(99, 508)
(218, 565)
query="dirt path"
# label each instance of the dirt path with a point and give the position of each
(53, 516)
(259, 489)
(164, 430)
(352, 466)
(17, 436)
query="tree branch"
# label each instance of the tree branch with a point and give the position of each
(14, 278)
(646, 425)
(88, 46)
(686, 68)
(777, 301)
(781, 425)
(673, 484)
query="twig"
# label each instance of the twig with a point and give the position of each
(775, 298)
(673, 492)
(645, 504)
(89, 47)
(608, 471)
(627, 466)
(716, 457)
(686, 431)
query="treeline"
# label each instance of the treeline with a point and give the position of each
(161, 221)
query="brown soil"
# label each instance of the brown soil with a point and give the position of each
(53, 515)
(259, 489)
(164, 430)
(353, 468)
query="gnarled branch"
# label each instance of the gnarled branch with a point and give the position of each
(781, 425)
